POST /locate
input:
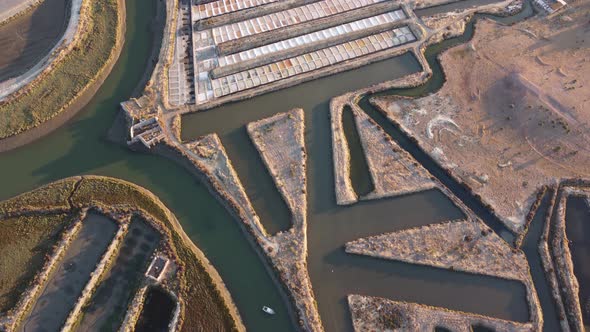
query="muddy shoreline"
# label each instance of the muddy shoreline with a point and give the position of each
(79, 102)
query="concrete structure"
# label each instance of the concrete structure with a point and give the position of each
(157, 268)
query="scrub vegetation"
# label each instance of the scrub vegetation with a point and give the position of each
(25, 242)
(50, 94)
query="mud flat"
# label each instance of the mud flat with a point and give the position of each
(69, 278)
(30, 37)
(11, 9)
(495, 129)
(378, 314)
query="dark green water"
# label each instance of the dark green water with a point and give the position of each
(157, 312)
(80, 148)
(530, 246)
(577, 229)
(359, 168)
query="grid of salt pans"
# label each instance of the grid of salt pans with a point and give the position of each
(286, 18)
(221, 7)
(310, 61)
(312, 37)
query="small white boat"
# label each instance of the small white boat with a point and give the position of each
(268, 310)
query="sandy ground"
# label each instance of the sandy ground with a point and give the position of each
(378, 314)
(464, 245)
(510, 117)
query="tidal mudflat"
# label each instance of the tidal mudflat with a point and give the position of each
(65, 284)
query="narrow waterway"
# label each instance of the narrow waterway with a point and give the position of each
(530, 246)
(577, 229)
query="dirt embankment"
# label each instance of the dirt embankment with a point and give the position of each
(378, 314)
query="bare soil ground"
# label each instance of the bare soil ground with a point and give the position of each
(345, 193)
(510, 117)
(378, 314)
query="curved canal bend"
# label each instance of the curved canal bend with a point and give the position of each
(80, 147)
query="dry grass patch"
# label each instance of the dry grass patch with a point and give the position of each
(51, 196)
(24, 244)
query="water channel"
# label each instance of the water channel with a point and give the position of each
(577, 228)
(80, 147)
